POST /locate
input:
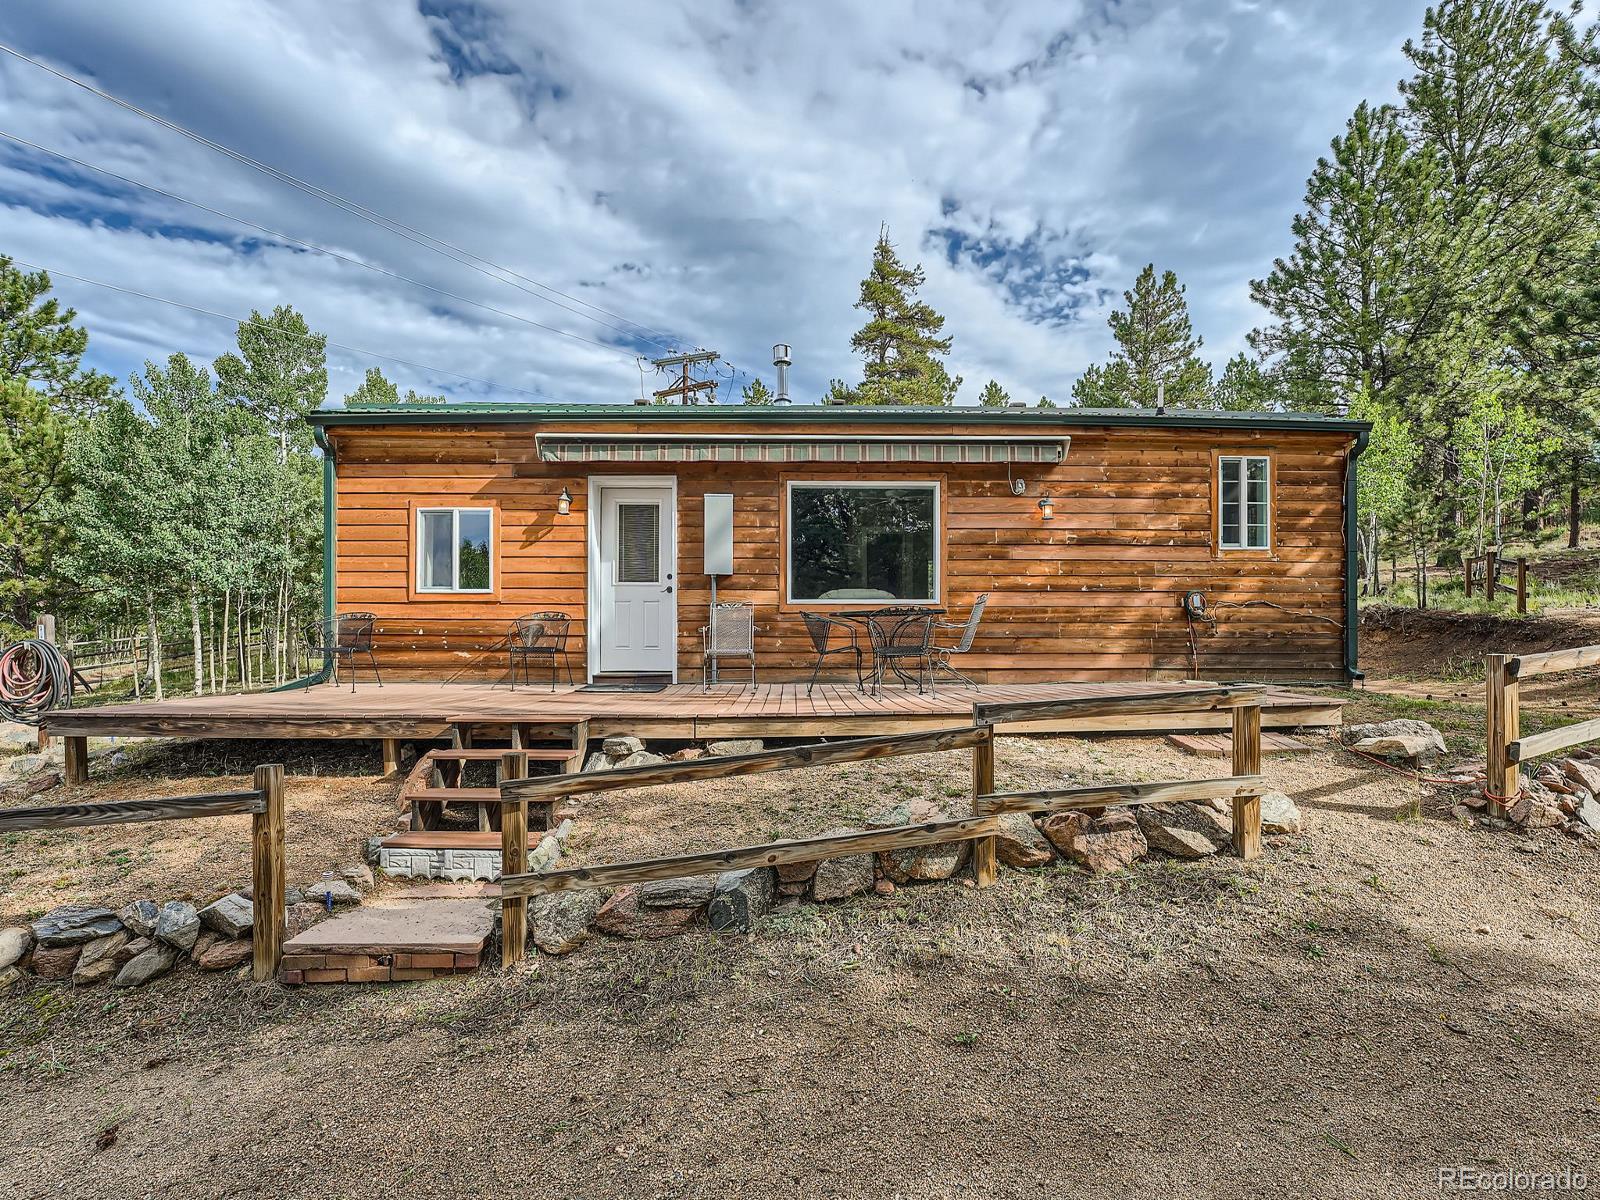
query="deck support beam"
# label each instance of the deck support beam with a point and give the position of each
(77, 760)
(513, 861)
(391, 757)
(985, 870)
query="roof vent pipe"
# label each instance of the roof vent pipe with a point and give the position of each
(1161, 397)
(781, 360)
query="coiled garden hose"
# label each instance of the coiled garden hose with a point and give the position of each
(34, 677)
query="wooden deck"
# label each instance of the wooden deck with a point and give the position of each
(427, 710)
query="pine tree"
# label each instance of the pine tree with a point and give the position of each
(1245, 387)
(1156, 345)
(994, 396)
(35, 485)
(900, 342)
(756, 392)
(1353, 300)
(40, 345)
(375, 389)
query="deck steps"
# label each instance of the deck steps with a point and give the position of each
(490, 754)
(420, 939)
(1220, 745)
(432, 839)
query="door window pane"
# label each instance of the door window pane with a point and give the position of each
(474, 527)
(436, 539)
(638, 543)
(863, 543)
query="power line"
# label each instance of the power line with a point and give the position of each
(355, 208)
(315, 247)
(211, 312)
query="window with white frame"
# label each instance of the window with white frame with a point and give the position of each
(854, 542)
(455, 550)
(1243, 502)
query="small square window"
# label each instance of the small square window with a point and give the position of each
(455, 550)
(1243, 502)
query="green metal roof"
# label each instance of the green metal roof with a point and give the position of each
(523, 413)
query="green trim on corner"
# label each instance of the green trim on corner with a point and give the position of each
(328, 526)
(1352, 607)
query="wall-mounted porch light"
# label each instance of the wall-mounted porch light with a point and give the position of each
(564, 504)
(1047, 508)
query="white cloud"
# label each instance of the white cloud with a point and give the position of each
(715, 169)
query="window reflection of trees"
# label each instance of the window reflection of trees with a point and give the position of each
(880, 539)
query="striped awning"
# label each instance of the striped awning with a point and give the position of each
(799, 449)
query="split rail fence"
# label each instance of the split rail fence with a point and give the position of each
(528, 803)
(1483, 571)
(1507, 749)
(264, 803)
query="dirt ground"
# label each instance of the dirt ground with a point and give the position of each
(1387, 993)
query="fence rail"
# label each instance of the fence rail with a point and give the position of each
(529, 803)
(1506, 748)
(264, 804)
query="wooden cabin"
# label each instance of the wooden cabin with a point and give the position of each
(1087, 530)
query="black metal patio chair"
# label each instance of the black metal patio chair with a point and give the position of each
(344, 636)
(969, 630)
(541, 636)
(899, 638)
(821, 630)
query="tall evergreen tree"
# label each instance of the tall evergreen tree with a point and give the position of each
(900, 343)
(35, 485)
(40, 344)
(1156, 344)
(1355, 297)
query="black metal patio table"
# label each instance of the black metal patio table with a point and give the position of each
(885, 627)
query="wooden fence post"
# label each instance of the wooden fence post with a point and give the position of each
(1502, 706)
(1466, 581)
(984, 869)
(1247, 761)
(513, 860)
(267, 872)
(1522, 585)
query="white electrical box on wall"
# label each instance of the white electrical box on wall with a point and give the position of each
(719, 534)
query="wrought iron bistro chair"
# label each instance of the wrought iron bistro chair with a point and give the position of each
(541, 636)
(821, 630)
(969, 630)
(901, 637)
(344, 636)
(731, 634)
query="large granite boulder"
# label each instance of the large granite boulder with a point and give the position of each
(151, 964)
(232, 916)
(1399, 738)
(917, 863)
(838, 878)
(689, 892)
(1279, 814)
(74, 924)
(15, 942)
(140, 917)
(558, 922)
(740, 899)
(1020, 844)
(1100, 845)
(624, 916)
(178, 925)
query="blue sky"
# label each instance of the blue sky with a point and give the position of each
(714, 172)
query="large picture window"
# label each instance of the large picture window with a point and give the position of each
(1243, 486)
(455, 550)
(851, 542)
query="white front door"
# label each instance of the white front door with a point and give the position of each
(635, 592)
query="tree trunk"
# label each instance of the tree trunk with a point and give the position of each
(227, 616)
(155, 648)
(199, 649)
(1574, 502)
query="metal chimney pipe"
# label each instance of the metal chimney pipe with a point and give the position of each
(781, 360)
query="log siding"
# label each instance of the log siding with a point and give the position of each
(1094, 594)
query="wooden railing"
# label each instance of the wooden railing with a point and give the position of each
(1484, 570)
(1507, 749)
(264, 803)
(529, 803)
